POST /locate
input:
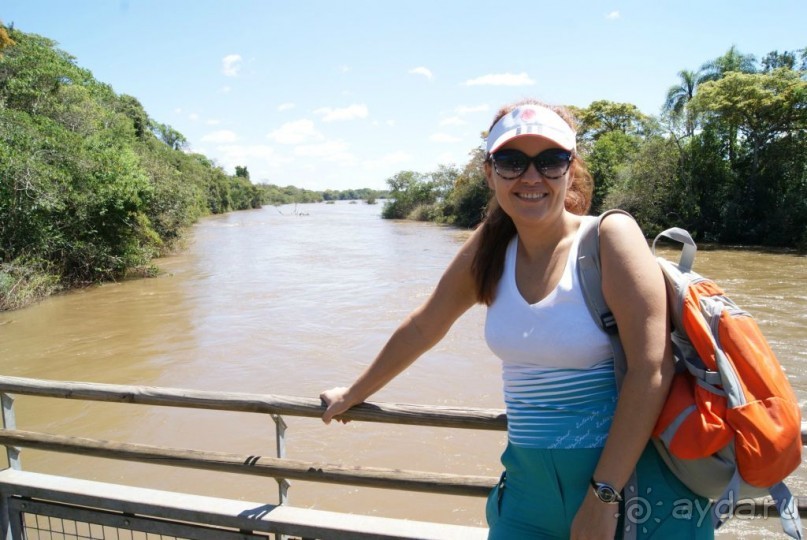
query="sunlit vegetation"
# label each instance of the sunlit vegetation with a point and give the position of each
(726, 158)
(91, 187)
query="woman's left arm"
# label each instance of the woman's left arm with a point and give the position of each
(634, 289)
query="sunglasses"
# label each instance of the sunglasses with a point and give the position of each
(552, 163)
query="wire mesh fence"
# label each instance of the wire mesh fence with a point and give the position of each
(42, 520)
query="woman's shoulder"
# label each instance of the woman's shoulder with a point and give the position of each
(621, 234)
(617, 224)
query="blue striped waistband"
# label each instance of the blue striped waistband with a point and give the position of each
(559, 408)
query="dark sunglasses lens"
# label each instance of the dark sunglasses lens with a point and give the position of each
(553, 163)
(510, 164)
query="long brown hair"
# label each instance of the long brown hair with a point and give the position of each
(498, 228)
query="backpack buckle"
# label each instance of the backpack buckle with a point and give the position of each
(608, 323)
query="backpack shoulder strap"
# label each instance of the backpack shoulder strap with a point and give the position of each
(590, 275)
(689, 247)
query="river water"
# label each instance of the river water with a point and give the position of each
(291, 301)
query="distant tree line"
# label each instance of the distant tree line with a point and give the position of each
(277, 195)
(726, 158)
(91, 187)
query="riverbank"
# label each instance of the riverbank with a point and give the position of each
(22, 285)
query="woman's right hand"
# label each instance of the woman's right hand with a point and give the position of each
(336, 402)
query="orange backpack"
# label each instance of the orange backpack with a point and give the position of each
(731, 425)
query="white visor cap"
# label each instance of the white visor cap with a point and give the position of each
(531, 120)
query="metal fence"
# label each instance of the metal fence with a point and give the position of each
(53, 507)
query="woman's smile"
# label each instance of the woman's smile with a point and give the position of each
(531, 195)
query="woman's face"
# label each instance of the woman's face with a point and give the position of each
(530, 197)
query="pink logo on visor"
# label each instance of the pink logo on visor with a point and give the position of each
(527, 115)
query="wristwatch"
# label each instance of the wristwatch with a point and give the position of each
(606, 492)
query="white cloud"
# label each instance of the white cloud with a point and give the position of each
(231, 65)
(612, 16)
(213, 122)
(444, 138)
(426, 72)
(295, 132)
(220, 137)
(346, 113)
(193, 116)
(285, 107)
(501, 79)
(258, 157)
(388, 159)
(327, 151)
(225, 90)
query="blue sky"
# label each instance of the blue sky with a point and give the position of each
(344, 94)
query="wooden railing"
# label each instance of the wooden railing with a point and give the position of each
(277, 406)
(276, 467)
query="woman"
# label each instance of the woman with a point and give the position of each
(572, 444)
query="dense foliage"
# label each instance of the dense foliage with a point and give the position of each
(91, 187)
(726, 158)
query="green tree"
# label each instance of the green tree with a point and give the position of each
(241, 171)
(465, 205)
(770, 111)
(173, 138)
(732, 60)
(604, 116)
(408, 191)
(775, 60)
(33, 70)
(714, 70)
(605, 158)
(648, 184)
(133, 109)
(443, 180)
(679, 96)
(762, 106)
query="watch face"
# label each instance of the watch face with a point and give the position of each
(606, 494)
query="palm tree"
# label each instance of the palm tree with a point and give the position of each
(679, 95)
(732, 60)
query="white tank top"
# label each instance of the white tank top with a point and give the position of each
(557, 363)
(557, 331)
